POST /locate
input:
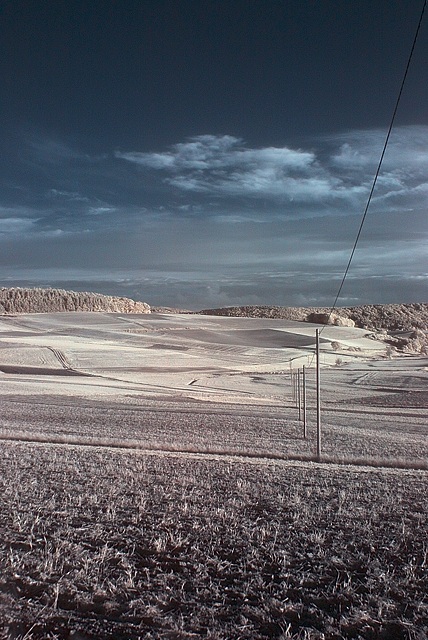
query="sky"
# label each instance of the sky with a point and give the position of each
(208, 153)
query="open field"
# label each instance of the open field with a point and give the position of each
(149, 487)
(98, 543)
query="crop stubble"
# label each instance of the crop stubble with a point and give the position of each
(352, 431)
(101, 543)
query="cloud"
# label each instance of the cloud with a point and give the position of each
(51, 151)
(222, 165)
(221, 222)
(17, 221)
(15, 226)
(72, 196)
(219, 152)
(259, 182)
(99, 211)
(407, 148)
(17, 212)
(402, 177)
(338, 170)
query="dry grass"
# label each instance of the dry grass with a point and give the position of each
(112, 544)
(113, 443)
(355, 432)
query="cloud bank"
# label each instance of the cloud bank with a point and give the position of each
(223, 166)
(211, 214)
(340, 171)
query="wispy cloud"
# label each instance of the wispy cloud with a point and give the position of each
(73, 196)
(219, 152)
(50, 150)
(223, 165)
(17, 220)
(15, 226)
(337, 169)
(407, 148)
(404, 170)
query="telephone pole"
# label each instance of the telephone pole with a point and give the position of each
(318, 394)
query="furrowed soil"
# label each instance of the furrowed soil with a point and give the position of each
(101, 543)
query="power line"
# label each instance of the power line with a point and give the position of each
(319, 331)
(391, 124)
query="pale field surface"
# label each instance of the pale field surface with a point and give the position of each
(146, 491)
(208, 383)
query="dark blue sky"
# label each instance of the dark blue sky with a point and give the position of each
(201, 153)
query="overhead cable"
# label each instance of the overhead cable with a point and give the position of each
(380, 163)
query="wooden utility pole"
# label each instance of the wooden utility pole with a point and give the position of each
(304, 402)
(294, 388)
(318, 395)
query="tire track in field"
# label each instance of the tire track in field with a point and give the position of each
(60, 356)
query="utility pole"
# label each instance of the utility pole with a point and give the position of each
(299, 401)
(304, 402)
(294, 388)
(318, 394)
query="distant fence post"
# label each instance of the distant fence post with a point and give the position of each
(299, 401)
(318, 394)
